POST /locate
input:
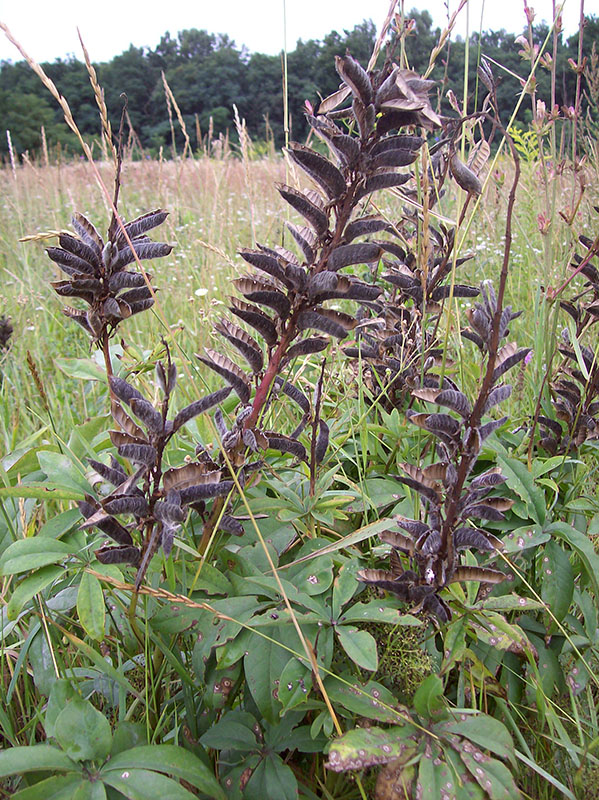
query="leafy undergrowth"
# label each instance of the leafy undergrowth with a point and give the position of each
(333, 536)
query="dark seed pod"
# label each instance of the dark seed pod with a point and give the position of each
(119, 555)
(300, 202)
(229, 371)
(464, 177)
(307, 346)
(139, 453)
(322, 442)
(294, 393)
(200, 406)
(231, 525)
(255, 317)
(286, 445)
(319, 168)
(311, 319)
(127, 504)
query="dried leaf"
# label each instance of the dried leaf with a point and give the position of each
(383, 180)
(398, 540)
(192, 494)
(508, 362)
(88, 233)
(333, 100)
(143, 224)
(110, 474)
(144, 249)
(479, 540)
(70, 263)
(496, 396)
(319, 322)
(123, 390)
(305, 239)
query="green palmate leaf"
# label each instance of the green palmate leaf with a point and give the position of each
(90, 606)
(234, 731)
(557, 588)
(344, 587)
(428, 699)
(42, 491)
(295, 684)
(82, 732)
(466, 788)
(370, 700)
(212, 581)
(128, 735)
(272, 778)
(83, 368)
(522, 482)
(42, 663)
(435, 778)
(582, 545)
(20, 760)
(509, 602)
(359, 645)
(315, 578)
(348, 541)
(62, 523)
(367, 747)
(173, 760)
(492, 628)
(143, 784)
(29, 554)
(384, 610)
(61, 471)
(62, 691)
(30, 586)
(90, 790)
(101, 663)
(263, 664)
(524, 538)
(485, 731)
(59, 787)
(491, 775)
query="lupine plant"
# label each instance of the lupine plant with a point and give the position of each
(227, 554)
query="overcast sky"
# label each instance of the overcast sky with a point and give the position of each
(47, 28)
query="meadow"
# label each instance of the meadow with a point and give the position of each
(293, 599)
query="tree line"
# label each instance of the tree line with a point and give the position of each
(208, 75)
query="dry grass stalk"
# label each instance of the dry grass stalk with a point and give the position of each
(172, 103)
(100, 102)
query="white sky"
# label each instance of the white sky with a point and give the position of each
(47, 28)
